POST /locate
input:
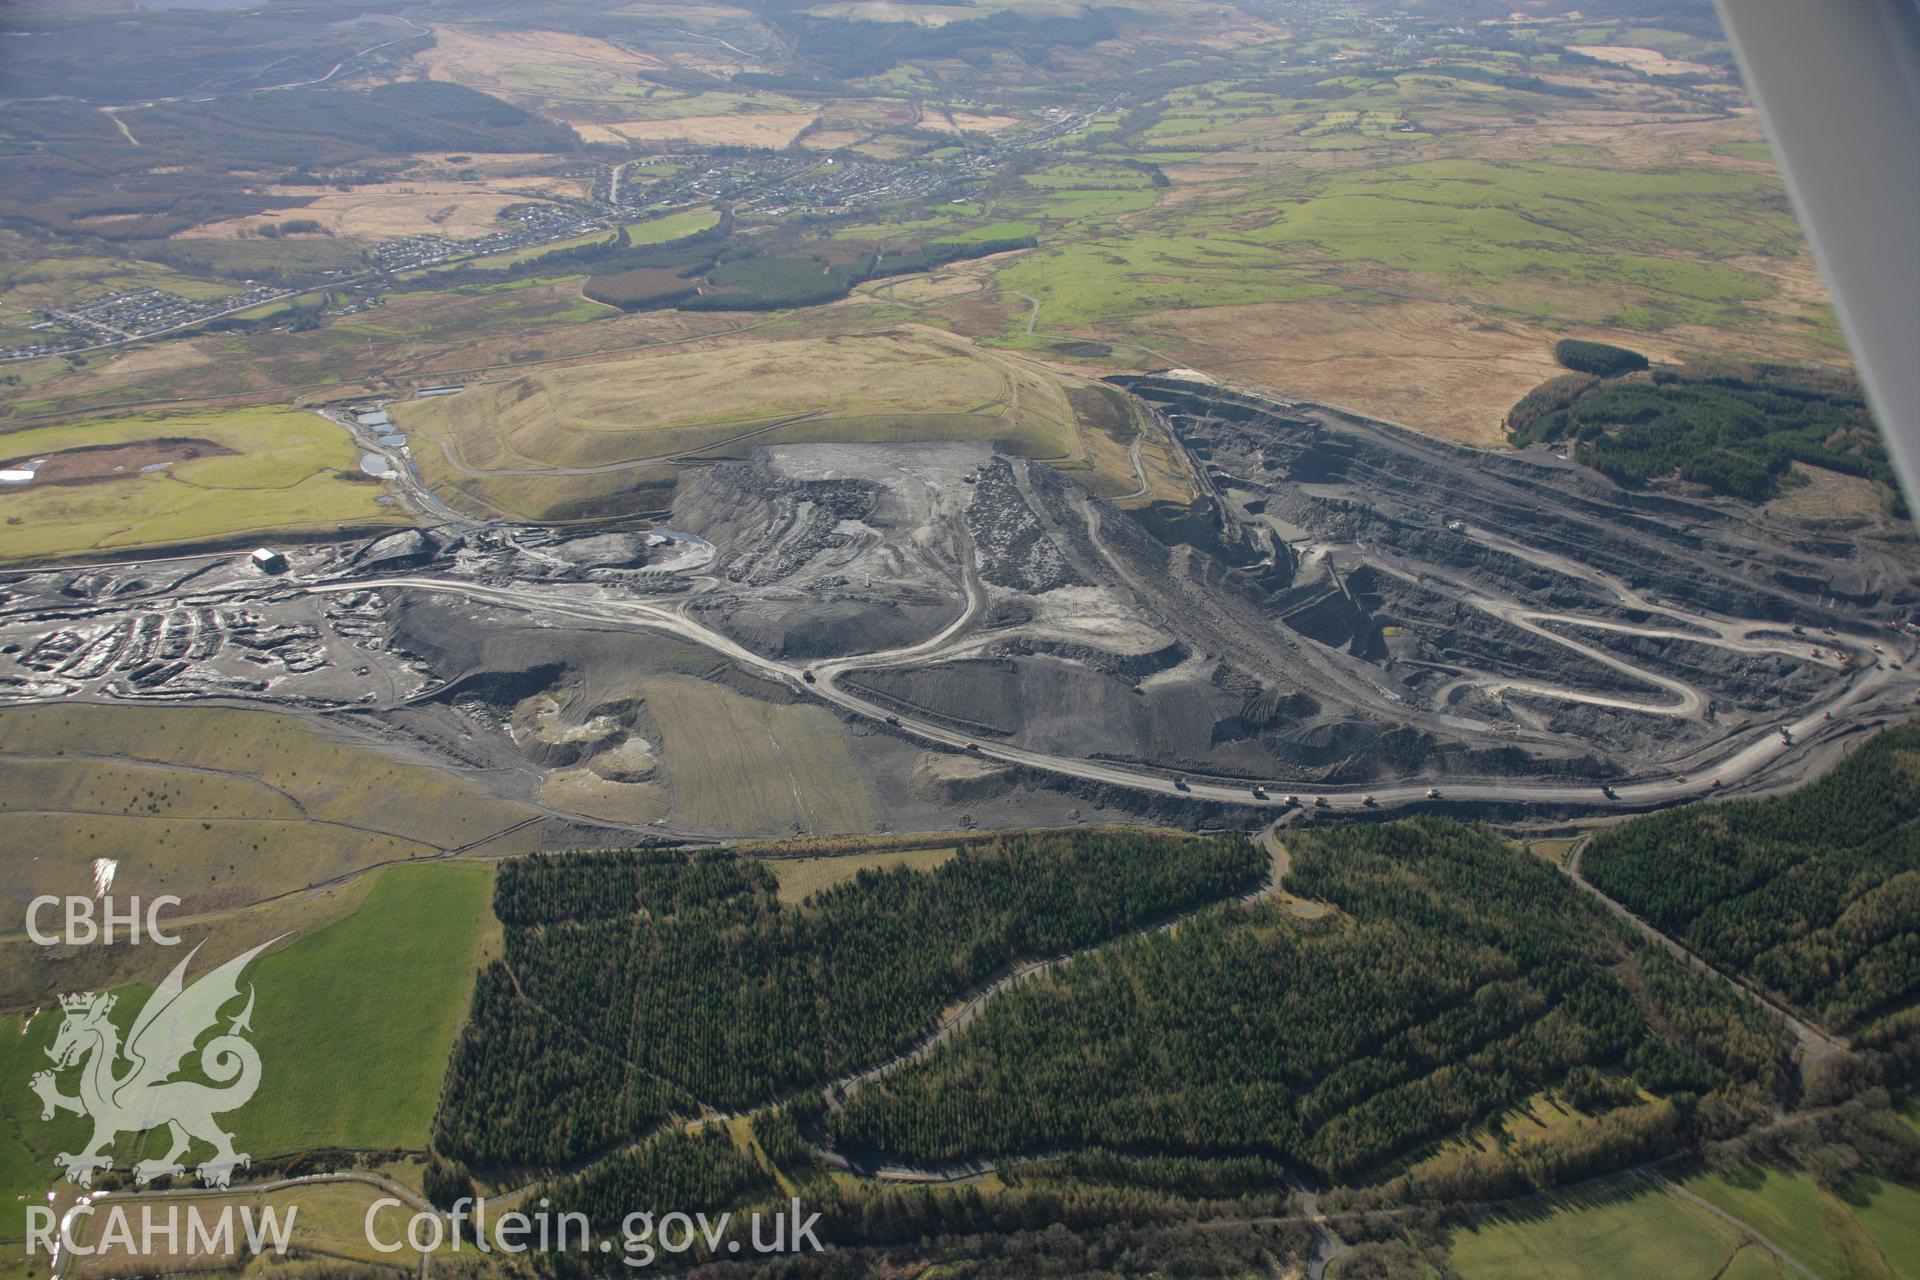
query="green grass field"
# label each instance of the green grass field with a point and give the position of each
(355, 1022)
(1648, 249)
(24, 1142)
(648, 231)
(470, 311)
(1634, 1231)
(990, 231)
(671, 227)
(1631, 1235)
(1873, 1237)
(1891, 1218)
(1100, 281)
(1564, 208)
(237, 813)
(285, 470)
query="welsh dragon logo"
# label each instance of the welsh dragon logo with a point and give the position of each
(131, 1088)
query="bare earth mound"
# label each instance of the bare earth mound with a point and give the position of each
(111, 462)
(639, 415)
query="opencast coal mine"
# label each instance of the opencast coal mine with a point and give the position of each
(1349, 619)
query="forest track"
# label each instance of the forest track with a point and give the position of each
(1815, 1045)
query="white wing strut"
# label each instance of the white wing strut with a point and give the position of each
(1838, 87)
